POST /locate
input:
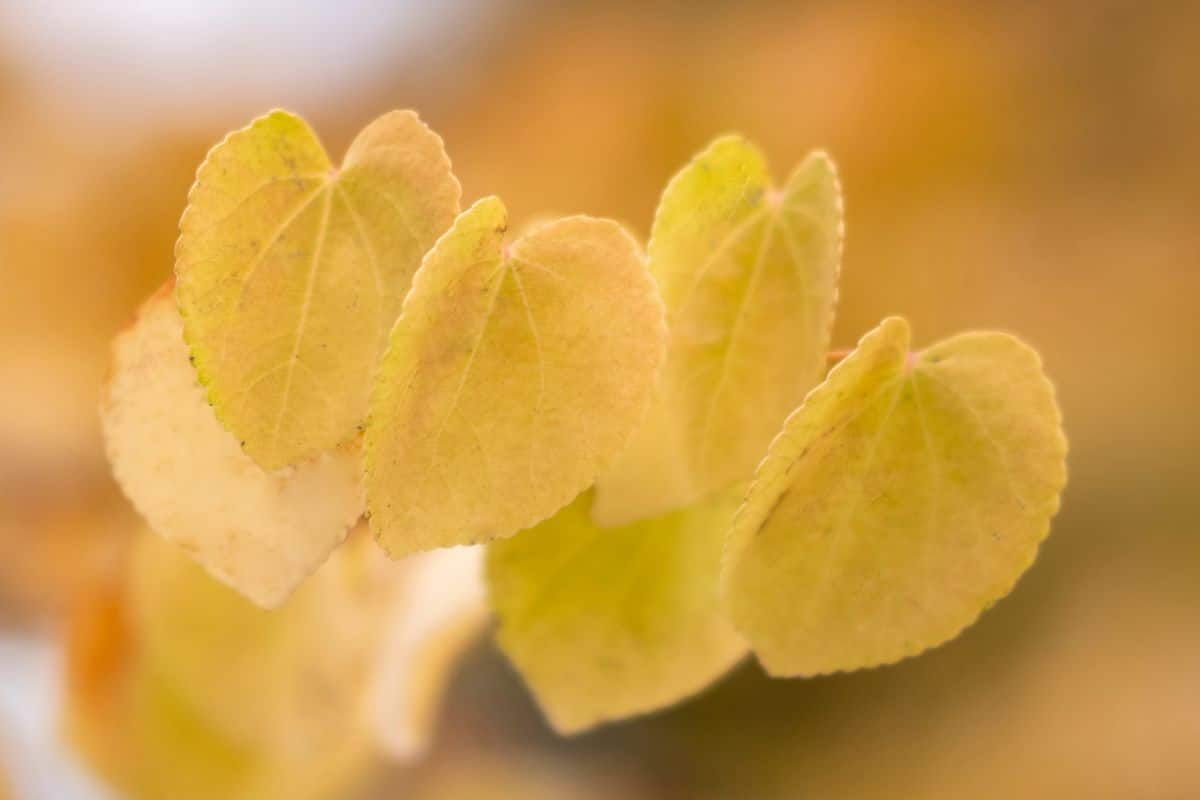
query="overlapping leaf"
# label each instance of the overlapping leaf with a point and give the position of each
(513, 376)
(902, 499)
(605, 623)
(291, 273)
(748, 274)
(259, 532)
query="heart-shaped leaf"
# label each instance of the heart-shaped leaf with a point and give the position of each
(513, 376)
(749, 277)
(606, 623)
(905, 496)
(291, 273)
(259, 532)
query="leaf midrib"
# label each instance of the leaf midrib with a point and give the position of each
(302, 324)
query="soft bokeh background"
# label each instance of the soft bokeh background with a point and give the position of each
(1023, 165)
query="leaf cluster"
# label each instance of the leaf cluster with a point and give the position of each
(647, 443)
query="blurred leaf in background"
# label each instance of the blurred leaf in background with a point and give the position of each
(177, 683)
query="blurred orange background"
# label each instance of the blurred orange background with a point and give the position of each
(1028, 166)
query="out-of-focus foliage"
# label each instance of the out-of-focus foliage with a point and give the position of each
(133, 726)
(606, 623)
(480, 776)
(291, 680)
(441, 614)
(513, 376)
(177, 684)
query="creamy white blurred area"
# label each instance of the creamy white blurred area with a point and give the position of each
(443, 610)
(172, 54)
(36, 762)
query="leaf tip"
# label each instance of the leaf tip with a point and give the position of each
(491, 208)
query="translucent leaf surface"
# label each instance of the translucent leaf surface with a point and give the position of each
(291, 273)
(143, 737)
(514, 374)
(748, 274)
(902, 499)
(365, 648)
(173, 752)
(605, 623)
(291, 680)
(259, 532)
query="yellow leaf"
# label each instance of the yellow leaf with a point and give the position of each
(262, 533)
(513, 376)
(291, 273)
(606, 623)
(365, 648)
(905, 496)
(134, 728)
(749, 277)
(288, 681)
(170, 751)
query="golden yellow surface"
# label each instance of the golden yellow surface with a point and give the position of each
(514, 375)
